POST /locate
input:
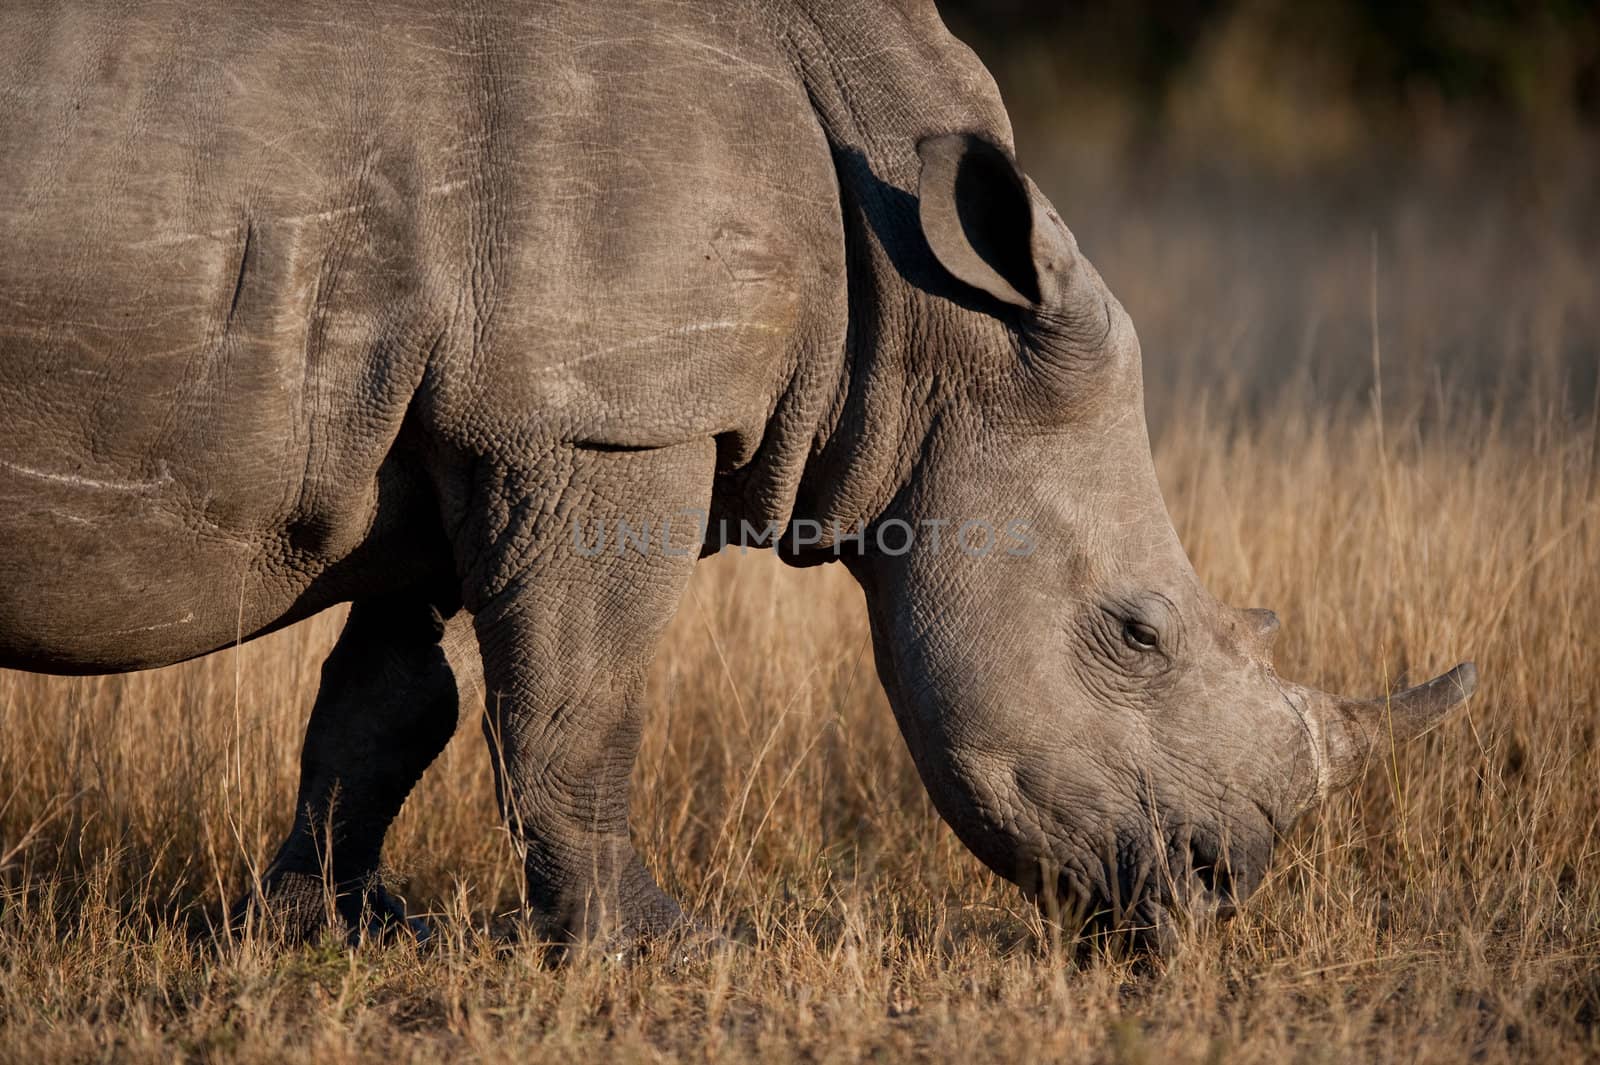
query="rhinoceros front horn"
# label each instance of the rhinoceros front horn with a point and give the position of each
(1352, 729)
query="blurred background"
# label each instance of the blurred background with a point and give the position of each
(1246, 172)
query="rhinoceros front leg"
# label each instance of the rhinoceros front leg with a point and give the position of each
(565, 645)
(386, 708)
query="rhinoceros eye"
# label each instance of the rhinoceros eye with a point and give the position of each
(1139, 636)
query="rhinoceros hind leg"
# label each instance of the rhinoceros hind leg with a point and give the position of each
(386, 707)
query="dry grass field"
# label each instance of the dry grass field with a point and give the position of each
(1448, 910)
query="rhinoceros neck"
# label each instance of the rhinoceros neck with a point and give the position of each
(880, 77)
(883, 75)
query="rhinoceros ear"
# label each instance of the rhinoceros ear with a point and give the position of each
(977, 216)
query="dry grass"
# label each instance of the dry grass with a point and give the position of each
(1448, 910)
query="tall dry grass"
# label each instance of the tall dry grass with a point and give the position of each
(1448, 909)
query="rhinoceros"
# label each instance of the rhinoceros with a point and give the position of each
(306, 303)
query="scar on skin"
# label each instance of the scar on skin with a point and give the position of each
(187, 617)
(91, 483)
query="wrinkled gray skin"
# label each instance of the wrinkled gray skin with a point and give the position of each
(310, 302)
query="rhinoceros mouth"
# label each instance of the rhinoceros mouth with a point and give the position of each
(1142, 893)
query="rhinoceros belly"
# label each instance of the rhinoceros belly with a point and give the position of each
(100, 574)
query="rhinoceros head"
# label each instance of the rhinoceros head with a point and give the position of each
(1093, 724)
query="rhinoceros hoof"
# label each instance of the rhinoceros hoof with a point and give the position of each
(683, 944)
(676, 948)
(636, 935)
(293, 908)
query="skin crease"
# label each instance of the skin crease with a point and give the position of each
(301, 305)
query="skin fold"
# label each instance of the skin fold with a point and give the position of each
(305, 303)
